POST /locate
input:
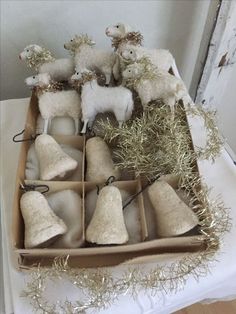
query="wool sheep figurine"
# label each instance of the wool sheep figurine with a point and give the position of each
(161, 58)
(54, 102)
(151, 84)
(93, 59)
(96, 99)
(122, 35)
(42, 61)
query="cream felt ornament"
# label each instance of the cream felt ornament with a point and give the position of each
(100, 165)
(107, 225)
(98, 99)
(42, 61)
(173, 216)
(131, 214)
(42, 226)
(87, 57)
(53, 161)
(32, 170)
(53, 101)
(67, 205)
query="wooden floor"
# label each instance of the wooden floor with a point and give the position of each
(214, 308)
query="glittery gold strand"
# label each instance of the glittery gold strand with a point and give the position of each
(38, 58)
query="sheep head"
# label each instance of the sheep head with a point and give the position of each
(130, 53)
(35, 55)
(42, 79)
(81, 76)
(75, 43)
(118, 31)
(138, 71)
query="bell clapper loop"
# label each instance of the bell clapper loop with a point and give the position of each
(34, 187)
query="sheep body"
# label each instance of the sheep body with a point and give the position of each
(42, 60)
(56, 103)
(86, 57)
(59, 70)
(163, 86)
(161, 58)
(96, 99)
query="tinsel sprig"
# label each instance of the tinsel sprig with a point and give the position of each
(214, 141)
(36, 59)
(133, 38)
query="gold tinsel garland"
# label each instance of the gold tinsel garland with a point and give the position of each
(133, 38)
(36, 59)
(52, 87)
(99, 287)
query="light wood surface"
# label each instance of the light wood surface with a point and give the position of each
(214, 308)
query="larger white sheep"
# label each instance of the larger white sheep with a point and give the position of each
(88, 57)
(161, 58)
(151, 84)
(54, 103)
(42, 61)
(96, 99)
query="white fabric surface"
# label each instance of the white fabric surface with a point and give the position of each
(221, 283)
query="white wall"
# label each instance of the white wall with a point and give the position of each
(174, 24)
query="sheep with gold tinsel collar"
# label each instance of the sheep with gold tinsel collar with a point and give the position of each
(96, 99)
(42, 61)
(151, 84)
(93, 59)
(53, 101)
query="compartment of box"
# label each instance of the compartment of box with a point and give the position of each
(128, 189)
(55, 186)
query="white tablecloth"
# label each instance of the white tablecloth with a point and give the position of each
(220, 284)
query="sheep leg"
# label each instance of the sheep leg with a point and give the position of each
(85, 126)
(45, 127)
(76, 121)
(120, 123)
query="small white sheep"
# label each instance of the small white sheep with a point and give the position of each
(122, 35)
(42, 61)
(54, 103)
(151, 84)
(96, 99)
(88, 57)
(161, 58)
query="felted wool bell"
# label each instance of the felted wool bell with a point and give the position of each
(67, 205)
(107, 225)
(53, 161)
(32, 165)
(131, 213)
(42, 226)
(99, 161)
(173, 216)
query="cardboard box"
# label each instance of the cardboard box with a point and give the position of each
(89, 256)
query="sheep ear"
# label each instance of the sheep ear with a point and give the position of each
(127, 28)
(37, 48)
(93, 42)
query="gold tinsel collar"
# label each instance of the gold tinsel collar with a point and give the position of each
(86, 77)
(51, 87)
(150, 72)
(134, 38)
(77, 41)
(39, 58)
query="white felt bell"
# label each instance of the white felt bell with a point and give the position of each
(99, 161)
(67, 205)
(52, 159)
(107, 225)
(173, 216)
(42, 226)
(32, 164)
(131, 213)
